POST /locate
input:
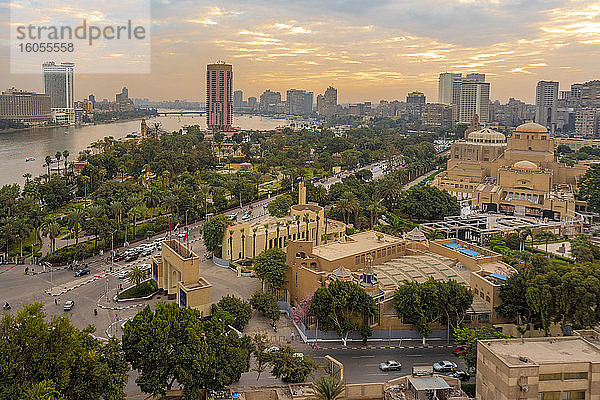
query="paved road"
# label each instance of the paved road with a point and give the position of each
(362, 365)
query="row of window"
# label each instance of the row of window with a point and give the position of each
(377, 254)
(567, 395)
(563, 376)
(481, 294)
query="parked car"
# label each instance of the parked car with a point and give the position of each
(444, 366)
(122, 274)
(459, 351)
(271, 349)
(298, 355)
(120, 257)
(69, 305)
(232, 216)
(390, 365)
(146, 252)
(132, 257)
(82, 272)
(460, 374)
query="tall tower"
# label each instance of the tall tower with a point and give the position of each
(546, 97)
(474, 99)
(58, 84)
(219, 96)
(446, 82)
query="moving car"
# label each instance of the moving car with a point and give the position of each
(444, 366)
(69, 305)
(131, 257)
(460, 374)
(232, 216)
(123, 274)
(390, 365)
(120, 257)
(459, 351)
(81, 272)
(298, 355)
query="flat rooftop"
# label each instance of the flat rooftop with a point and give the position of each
(538, 351)
(355, 244)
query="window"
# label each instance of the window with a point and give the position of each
(483, 318)
(549, 396)
(357, 260)
(487, 298)
(575, 375)
(476, 291)
(574, 395)
(362, 258)
(550, 377)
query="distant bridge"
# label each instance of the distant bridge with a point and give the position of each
(181, 113)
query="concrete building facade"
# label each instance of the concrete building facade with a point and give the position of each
(546, 97)
(557, 368)
(176, 272)
(219, 96)
(516, 176)
(26, 107)
(58, 84)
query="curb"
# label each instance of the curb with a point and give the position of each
(386, 347)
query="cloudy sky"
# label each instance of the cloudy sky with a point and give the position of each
(369, 50)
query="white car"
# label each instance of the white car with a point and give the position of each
(271, 349)
(122, 274)
(444, 366)
(390, 365)
(298, 355)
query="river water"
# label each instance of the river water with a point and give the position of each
(16, 147)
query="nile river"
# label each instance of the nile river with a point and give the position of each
(16, 147)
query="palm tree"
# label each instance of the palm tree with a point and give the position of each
(306, 221)
(320, 194)
(152, 199)
(58, 156)
(317, 230)
(545, 236)
(524, 233)
(297, 219)
(288, 224)
(65, 155)
(48, 161)
(266, 235)
(36, 221)
(86, 180)
(27, 177)
(23, 229)
(434, 234)
(135, 212)
(278, 225)
(231, 244)
(242, 230)
(254, 230)
(52, 230)
(342, 206)
(95, 213)
(75, 219)
(116, 210)
(136, 275)
(375, 209)
(328, 388)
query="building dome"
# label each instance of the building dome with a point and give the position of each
(526, 165)
(531, 127)
(486, 135)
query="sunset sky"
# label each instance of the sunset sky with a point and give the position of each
(369, 50)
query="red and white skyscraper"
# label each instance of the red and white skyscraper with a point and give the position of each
(219, 96)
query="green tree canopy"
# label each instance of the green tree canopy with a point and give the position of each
(266, 304)
(280, 206)
(270, 267)
(213, 232)
(589, 187)
(343, 307)
(290, 366)
(49, 358)
(424, 202)
(240, 310)
(174, 343)
(418, 304)
(468, 337)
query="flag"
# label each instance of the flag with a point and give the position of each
(186, 235)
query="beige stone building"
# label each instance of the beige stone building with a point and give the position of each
(558, 368)
(305, 221)
(380, 263)
(518, 175)
(176, 271)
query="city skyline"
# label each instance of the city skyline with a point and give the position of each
(380, 51)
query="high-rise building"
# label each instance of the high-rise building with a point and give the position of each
(252, 103)
(446, 87)
(25, 107)
(546, 97)
(576, 90)
(269, 101)
(474, 99)
(308, 103)
(415, 101)
(238, 98)
(299, 102)
(436, 114)
(58, 84)
(586, 121)
(590, 94)
(122, 101)
(219, 98)
(327, 104)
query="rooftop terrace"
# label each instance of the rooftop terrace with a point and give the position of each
(355, 244)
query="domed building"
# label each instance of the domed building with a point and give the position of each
(518, 175)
